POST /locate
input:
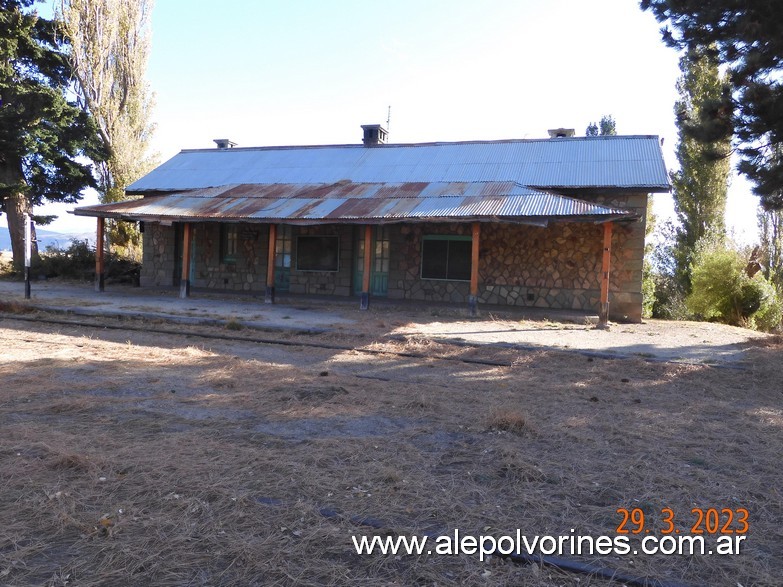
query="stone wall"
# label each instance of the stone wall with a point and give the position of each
(405, 280)
(519, 265)
(158, 259)
(324, 282)
(246, 272)
(555, 267)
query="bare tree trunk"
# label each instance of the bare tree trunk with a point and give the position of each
(16, 205)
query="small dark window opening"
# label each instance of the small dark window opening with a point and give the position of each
(446, 257)
(228, 243)
(317, 253)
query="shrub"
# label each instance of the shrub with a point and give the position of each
(669, 299)
(770, 312)
(6, 266)
(77, 261)
(723, 291)
(668, 290)
(648, 290)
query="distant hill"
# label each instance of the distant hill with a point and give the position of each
(47, 238)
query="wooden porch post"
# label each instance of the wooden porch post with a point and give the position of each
(474, 269)
(99, 247)
(269, 298)
(365, 303)
(184, 284)
(603, 317)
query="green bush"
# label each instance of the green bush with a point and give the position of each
(668, 290)
(6, 266)
(648, 290)
(723, 291)
(770, 312)
(669, 299)
(77, 261)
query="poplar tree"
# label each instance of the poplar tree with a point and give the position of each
(770, 224)
(43, 134)
(109, 50)
(700, 186)
(606, 127)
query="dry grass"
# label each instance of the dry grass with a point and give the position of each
(12, 307)
(510, 420)
(131, 458)
(234, 324)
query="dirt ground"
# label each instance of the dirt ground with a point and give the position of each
(690, 342)
(144, 453)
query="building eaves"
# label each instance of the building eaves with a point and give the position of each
(348, 202)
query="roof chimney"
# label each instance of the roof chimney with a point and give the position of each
(561, 133)
(374, 134)
(224, 143)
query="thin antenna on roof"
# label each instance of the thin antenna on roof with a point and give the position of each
(388, 121)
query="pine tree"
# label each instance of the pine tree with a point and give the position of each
(42, 133)
(745, 37)
(700, 186)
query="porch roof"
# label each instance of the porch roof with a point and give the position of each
(346, 202)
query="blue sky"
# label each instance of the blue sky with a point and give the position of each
(311, 72)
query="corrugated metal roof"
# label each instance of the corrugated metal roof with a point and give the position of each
(631, 162)
(345, 202)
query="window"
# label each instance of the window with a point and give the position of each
(317, 253)
(446, 257)
(228, 243)
(381, 249)
(283, 247)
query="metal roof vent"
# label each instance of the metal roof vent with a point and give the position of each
(561, 133)
(374, 134)
(224, 143)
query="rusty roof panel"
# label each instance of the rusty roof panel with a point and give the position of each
(341, 202)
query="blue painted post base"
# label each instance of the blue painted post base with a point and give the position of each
(184, 288)
(365, 303)
(269, 296)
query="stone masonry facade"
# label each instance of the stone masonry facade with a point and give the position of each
(246, 272)
(158, 259)
(558, 266)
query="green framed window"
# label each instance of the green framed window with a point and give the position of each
(229, 235)
(446, 257)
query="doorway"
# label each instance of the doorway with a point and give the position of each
(379, 264)
(283, 258)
